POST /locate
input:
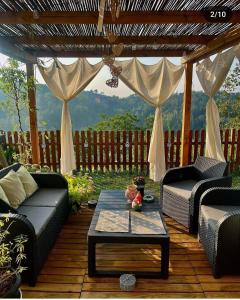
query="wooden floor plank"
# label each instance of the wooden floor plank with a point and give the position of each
(227, 295)
(160, 287)
(140, 295)
(144, 281)
(53, 287)
(60, 278)
(46, 295)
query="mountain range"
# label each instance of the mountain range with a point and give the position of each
(87, 107)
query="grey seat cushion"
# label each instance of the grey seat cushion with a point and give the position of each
(213, 213)
(183, 189)
(38, 216)
(46, 197)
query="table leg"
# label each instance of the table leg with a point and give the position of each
(165, 259)
(91, 258)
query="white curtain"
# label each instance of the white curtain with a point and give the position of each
(236, 49)
(65, 82)
(155, 83)
(211, 75)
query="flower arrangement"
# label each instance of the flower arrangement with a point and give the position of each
(137, 202)
(80, 189)
(140, 183)
(12, 255)
(139, 180)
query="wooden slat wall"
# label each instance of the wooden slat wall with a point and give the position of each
(122, 150)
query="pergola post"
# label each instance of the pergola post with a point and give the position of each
(33, 114)
(186, 114)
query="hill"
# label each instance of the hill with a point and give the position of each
(87, 108)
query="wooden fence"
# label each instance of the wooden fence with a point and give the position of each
(121, 150)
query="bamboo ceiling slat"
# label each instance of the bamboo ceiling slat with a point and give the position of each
(90, 30)
(126, 5)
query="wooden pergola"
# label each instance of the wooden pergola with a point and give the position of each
(172, 28)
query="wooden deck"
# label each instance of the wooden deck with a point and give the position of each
(65, 272)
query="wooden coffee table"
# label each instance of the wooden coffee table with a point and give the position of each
(115, 199)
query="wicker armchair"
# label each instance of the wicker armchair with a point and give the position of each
(181, 189)
(219, 229)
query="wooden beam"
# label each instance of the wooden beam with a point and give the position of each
(100, 40)
(221, 42)
(14, 52)
(135, 17)
(186, 114)
(101, 53)
(33, 115)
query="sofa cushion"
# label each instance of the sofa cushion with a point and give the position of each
(29, 184)
(3, 196)
(46, 197)
(38, 216)
(13, 189)
(213, 213)
(183, 189)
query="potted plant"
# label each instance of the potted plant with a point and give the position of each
(81, 187)
(139, 181)
(11, 257)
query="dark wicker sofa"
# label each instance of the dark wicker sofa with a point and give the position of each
(219, 229)
(40, 217)
(181, 189)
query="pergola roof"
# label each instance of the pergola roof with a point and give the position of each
(147, 28)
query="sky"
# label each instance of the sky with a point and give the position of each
(98, 83)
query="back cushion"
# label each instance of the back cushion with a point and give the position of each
(29, 184)
(3, 196)
(209, 167)
(13, 188)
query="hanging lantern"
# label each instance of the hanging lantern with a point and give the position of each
(111, 36)
(118, 49)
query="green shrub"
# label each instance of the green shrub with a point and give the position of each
(12, 254)
(81, 187)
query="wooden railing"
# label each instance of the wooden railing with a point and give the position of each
(121, 150)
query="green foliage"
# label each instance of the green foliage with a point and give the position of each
(124, 121)
(148, 122)
(81, 188)
(35, 168)
(14, 84)
(11, 254)
(9, 152)
(23, 157)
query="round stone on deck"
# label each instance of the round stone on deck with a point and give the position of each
(127, 282)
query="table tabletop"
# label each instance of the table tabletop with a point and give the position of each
(115, 200)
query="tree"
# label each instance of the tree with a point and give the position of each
(14, 84)
(148, 122)
(124, 121)
(229, 103)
